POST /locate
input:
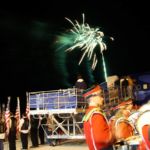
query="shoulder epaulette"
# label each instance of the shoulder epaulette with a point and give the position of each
(89, 114)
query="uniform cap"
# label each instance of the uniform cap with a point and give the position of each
(91, 91)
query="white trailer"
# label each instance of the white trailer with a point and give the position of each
(62, 106)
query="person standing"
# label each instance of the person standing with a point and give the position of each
(34, 121)
(124, 85)
(96, 129)
(12, 132)
(42, 123)
(80, 85)
(2, 132)
(49, 129)
(24, 128)
(130, 87)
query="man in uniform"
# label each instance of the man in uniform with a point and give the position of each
(122, 127)
(24, 128)
(34, 122)
(96, 129)
(12, 132)
(143, 126)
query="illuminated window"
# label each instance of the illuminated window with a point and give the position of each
(145, 86)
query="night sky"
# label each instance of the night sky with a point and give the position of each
(29, 60)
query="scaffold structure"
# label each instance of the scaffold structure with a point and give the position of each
(65, 109)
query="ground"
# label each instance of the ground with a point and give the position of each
(67, 145)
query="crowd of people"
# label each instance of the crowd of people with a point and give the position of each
(128, 125)
(122, 130)
(32, 126)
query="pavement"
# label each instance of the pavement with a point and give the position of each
(66, 145)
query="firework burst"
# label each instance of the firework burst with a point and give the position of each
(85, 38)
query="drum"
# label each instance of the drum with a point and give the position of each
(130, 143)
(143, 119)
(121, 145)
(123, 131)
(133, 145)
(127, 146)
(134, 142)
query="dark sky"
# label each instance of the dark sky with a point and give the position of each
(28, 61)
